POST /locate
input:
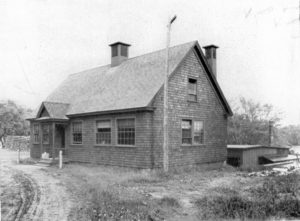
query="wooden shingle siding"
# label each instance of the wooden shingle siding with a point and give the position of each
(208, 108)
(138, 156)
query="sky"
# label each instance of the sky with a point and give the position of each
(43, 41)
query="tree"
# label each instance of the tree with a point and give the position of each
(289, 135)
(13, 120)
(250, 122)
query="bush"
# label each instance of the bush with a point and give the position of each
(276, 197)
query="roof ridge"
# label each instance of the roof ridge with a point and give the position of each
(190, 42)
(148, 53)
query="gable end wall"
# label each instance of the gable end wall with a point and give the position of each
(208, 108)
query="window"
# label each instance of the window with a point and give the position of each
(192, 132)
(36, 133)
(77, 132)
(126, 131)
(186, 127)
(114, 50)
(45, 130)
(124, 51)
(198, 132)
(192, 89)
(103, 133)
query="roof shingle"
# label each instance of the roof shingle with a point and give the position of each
(132, 84)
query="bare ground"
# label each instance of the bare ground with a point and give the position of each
(28, 193)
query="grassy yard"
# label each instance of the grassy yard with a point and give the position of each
(109, 193)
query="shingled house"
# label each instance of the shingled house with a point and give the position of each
(113, 114)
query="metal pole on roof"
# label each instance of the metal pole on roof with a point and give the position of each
(165, 119)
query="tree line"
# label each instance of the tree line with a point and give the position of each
(13, 120)
(250, 125)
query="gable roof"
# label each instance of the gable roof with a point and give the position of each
(54, 109)
(130, 85)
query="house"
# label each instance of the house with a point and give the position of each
(257, 156)
(113, 115)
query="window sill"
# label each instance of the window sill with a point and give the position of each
(73, 144)
(110, 145)
(192, 145)
(120, 145)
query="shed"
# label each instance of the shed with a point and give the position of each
(254, 156)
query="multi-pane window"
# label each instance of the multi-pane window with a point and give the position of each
(198, 132)
(103, 133)
(126, 131)
(192, 132)
(77, 132)
(45, 130)
(186, 127)
(36, 133)
(192, 89)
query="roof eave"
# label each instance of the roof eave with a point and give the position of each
(138, 109)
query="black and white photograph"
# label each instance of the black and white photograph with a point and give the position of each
(147, 110)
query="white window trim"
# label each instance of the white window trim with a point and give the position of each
(71, 133)
(193, 142)
(111, 132)
(135, 132)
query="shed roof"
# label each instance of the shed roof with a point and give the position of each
(130, 85)
(246, 147)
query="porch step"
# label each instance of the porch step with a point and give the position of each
(44, 162)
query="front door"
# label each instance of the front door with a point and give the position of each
(60, 138)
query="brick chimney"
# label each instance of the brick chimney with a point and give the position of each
(119, 53)
(211, 57)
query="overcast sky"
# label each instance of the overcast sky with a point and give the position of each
(43, 41)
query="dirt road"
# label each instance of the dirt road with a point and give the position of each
(28, 193)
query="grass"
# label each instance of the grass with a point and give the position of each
(113, 193)
(277, 197)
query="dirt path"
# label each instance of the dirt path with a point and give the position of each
(42, 196)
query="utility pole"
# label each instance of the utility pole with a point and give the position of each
(165, 120)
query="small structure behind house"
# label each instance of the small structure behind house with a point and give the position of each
(257, 156)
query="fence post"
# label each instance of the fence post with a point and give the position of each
(60, 159)
(18, 155)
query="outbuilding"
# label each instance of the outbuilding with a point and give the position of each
(255, 156)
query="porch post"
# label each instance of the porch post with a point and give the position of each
(53, 141)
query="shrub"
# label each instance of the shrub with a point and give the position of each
(276, 197)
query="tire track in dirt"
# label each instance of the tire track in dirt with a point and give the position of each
(30, 196)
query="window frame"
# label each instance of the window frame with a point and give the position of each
(42, 127)
(188, 92)
(193, 142)
(116, 134)
(111, 131)
(38, 133)
(200, 132)
(185, 144)
(71, 131)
